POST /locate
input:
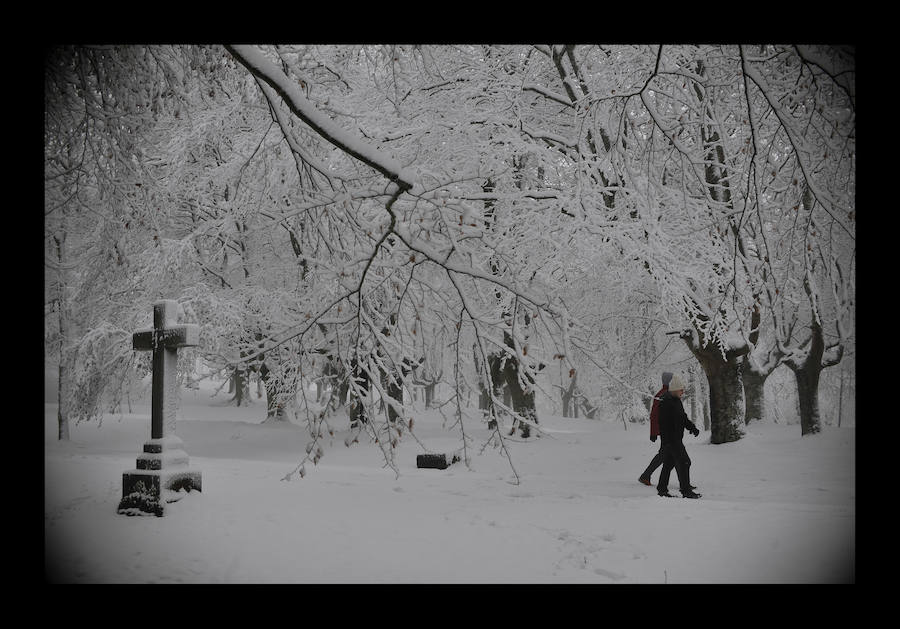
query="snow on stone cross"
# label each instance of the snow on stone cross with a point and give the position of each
(163, 468)
(164, 339)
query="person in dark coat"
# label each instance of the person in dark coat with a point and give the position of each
(672, 423)
(654, 430)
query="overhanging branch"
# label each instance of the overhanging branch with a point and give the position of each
(265, 70)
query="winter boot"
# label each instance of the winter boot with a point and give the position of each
(645, 481)
(690, 494)
(665, 494)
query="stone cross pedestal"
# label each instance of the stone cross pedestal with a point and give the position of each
(163, 468)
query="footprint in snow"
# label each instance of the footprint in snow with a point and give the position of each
(521, 495)
(615, 576)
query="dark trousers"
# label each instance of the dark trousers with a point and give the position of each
(654, 463)
(674, 455)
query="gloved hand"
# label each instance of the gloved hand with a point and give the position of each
(652, 437)
(696, 432)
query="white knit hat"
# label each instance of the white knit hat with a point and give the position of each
(675, 384)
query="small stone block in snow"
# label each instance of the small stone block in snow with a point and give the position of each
(435, 461)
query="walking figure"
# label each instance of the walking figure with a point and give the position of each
(672, 422)
(654, 430)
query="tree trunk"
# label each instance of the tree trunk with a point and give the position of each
(62, 395)
(335, 375)
(394, 390)
(495, 381)
(484, 400)
(694, 392)
(841, 398)
(589, 410)
(726, 402)
(274, 406)
(429, 394)
(754, 390)
(358, 396)
(63, 319)
(504, 377)
(522, 398)
(807, 368)
(705, 407)
(568, 396)
(807, 379)
(241, 388)
(726, 390)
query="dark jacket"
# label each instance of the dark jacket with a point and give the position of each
(673, 420)
(654, 413)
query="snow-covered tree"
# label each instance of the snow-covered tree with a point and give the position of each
(806, 182)
(375, 218)
(737, 138)
(102, 105)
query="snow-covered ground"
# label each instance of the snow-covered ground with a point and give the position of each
(776, 507)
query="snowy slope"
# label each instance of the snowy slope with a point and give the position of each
(776, 508)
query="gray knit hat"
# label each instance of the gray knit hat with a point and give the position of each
(666, 377)
(676, 384)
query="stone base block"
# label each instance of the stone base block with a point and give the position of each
(146, 492)
(162, 460)
(435, 461)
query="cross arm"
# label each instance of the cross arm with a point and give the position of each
(186, 335)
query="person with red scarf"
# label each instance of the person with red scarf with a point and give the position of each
(654, 429)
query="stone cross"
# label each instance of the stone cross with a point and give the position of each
(163, 468)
